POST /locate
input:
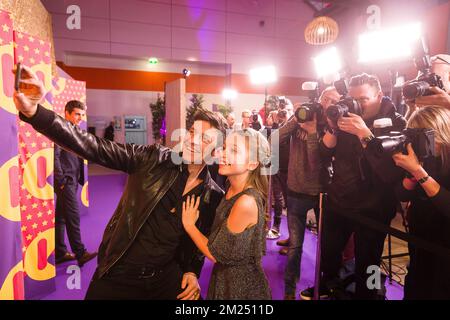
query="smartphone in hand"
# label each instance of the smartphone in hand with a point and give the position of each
(17, 76)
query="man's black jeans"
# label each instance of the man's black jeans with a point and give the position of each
(67, 217)
(137, 282)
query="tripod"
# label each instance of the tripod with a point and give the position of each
(391, 256)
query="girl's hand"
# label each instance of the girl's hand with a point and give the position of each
(409, 161)
(190, 212)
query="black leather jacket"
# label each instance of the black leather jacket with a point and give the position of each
(151, 173)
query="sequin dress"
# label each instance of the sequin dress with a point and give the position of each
(238, 272)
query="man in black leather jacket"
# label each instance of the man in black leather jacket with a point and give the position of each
(145, 253)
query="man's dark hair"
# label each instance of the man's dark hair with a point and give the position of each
(213, 119)
(74, 104)
(365, 78)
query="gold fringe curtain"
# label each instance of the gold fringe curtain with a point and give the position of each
(31, 17)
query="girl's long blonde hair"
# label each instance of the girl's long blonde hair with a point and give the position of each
(438, 119)
(259, 151)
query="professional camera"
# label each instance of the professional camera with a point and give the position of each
(256, 125)
(307, 110)
(422, 141)
(421, 86)
(344, 106)
(281, 114)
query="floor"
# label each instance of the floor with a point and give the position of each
(105, 191)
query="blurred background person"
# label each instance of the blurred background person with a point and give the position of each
(109, 132)
(69, 172)
(246, 120)
(275, 120)
(231, 119)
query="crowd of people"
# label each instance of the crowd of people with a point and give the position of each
(174, 214)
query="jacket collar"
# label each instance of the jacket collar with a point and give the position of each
(387, 110)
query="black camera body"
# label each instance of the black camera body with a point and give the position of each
(307, 110)
(343, 106)
(255, 123)
(422, 141)
(281, 114)
(421, 86)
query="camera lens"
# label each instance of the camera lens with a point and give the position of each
(390, 144)
(416, 89)
(334, 112)
(302, 114)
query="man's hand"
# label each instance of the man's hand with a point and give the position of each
(440, 98)
(31, 92)
(310, 126)
(355, 125)
(190, 286)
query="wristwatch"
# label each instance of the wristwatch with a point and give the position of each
(423, 180)
(367, 139)
(330, 130)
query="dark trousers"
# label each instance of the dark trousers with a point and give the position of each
(296, 216)
(67, 216)
(132, 282)
(369, 245)
(279, 193)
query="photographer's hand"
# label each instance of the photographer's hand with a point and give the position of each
(440, 98)
(310, 127)
(355, 125)
(410, 163)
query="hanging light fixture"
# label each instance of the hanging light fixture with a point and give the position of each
(322, 30)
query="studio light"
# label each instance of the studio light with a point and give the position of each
(229, 94)
(327, 62)
(263, 75)
(389, 44)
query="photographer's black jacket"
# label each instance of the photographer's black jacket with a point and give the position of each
(361, 179)
(428, 219)
(151, 173)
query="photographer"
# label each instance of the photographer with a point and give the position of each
(429, 214)
(303, 182)
(362, 186)
(440, 65)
